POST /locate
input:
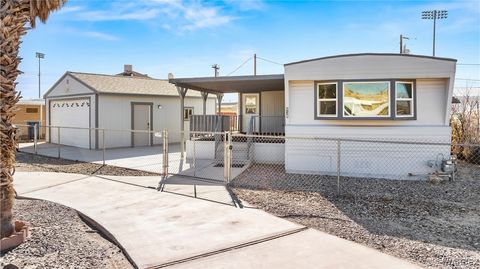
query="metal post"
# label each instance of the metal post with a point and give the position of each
(225, 157)
(229, 155)
(255, 64)
(35, 137)
(194, 159)
(338, 166)
(165, 153)
(58, 141)
(434, 24)
(103, 144)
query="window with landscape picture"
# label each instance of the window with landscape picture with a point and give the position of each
(366, 99)
(327, 99)
(404, 99)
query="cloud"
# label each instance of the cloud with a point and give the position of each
(70, 9)
(172, 15)
(99, 35)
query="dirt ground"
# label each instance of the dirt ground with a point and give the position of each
(433, 225)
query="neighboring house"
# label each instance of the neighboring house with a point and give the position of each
(30, 112)
(117, 102)
(369, 96)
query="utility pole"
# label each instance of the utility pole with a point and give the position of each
(402, 46)
(39, 55)
(216, 67)
(434, 15)
(255, 64)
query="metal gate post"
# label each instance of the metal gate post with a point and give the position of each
(58, 141)
(338, 166)
(227, 157)
(194, 159)
(161, 184)
(230, 147)
(35, 134)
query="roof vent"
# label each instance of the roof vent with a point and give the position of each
(127, 69)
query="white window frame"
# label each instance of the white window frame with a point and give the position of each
(389, 115)
(319, 100)
(411, 99)
(187, 109)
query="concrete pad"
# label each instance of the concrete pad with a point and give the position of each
(307, 249)
(42, 180)
(158, 227)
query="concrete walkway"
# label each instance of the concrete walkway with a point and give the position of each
(173, 229)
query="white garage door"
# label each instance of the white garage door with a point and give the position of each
(71, 113)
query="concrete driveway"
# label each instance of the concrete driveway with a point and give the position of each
(158, 229)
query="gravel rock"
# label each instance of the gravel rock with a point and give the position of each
(60, 239)
(433, 225)
(27, 162)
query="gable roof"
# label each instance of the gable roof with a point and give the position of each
(114, 84)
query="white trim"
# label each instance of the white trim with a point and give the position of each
(369, 116)
(411, 100)
(327, 99)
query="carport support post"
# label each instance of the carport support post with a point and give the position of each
(219, 98)
(35, 134)
(204, 99)
(182, 92)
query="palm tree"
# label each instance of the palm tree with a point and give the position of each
(14, 15)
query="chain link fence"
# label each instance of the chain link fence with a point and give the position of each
(290, 163)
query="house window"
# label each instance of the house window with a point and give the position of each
(187, 113)
(404, 99)
(370, 99)
(32, 110)
(327, 99)
(250, 104)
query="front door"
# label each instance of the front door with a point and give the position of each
(250, 112)
(141, 121)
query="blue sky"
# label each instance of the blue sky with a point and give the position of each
(187, 37)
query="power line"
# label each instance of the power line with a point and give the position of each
(270, 61)
(240, 66)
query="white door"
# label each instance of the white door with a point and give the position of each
(250, 112)
(141, 121)
(73, 112)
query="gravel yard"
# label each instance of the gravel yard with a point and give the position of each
(60, 239)
(433, 225)
(31, 162)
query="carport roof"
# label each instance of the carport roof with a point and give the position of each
(256, 83)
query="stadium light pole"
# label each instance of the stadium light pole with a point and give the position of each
(39, 55)
(434, 15)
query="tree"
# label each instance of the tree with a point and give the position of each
(14, 16)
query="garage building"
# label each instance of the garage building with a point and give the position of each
(118, 102)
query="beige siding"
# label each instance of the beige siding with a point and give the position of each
(115, 113)
(273, 103)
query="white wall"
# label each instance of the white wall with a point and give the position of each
(115, 113)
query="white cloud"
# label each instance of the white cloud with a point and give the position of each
(174, 15)
(99, 35)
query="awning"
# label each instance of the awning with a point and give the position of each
(244, 84)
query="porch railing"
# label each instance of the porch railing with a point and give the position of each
(267, 125)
